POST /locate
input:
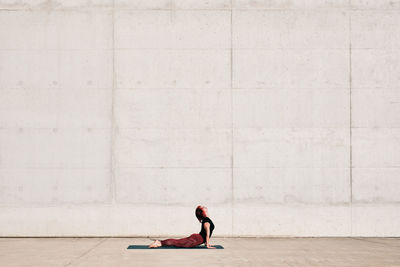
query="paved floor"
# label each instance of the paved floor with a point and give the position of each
(375, 252)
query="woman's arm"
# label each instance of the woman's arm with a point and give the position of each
(207, 227)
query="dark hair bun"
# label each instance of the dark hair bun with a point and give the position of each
(200, 214)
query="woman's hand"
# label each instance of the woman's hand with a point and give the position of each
(209, 246)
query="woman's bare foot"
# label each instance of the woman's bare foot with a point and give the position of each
(155, 244)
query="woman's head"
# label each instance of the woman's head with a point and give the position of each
(201, 212)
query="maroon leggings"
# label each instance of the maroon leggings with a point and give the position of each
(187, 242)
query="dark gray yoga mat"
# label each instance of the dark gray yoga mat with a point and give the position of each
(171, 247)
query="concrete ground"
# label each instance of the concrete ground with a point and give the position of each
(237, 252)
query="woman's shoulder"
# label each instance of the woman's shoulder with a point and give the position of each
(207, 219)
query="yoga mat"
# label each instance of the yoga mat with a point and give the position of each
(171, 247)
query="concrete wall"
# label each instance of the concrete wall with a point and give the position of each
(119, 117)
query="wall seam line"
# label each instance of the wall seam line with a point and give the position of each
(350, 122)
(112, 180)
(232, 181)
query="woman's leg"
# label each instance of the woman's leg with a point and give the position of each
(187, 242)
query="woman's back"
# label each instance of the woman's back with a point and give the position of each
(203, 230)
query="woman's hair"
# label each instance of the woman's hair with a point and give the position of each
(200, 214)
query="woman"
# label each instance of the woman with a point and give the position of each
(207, 227)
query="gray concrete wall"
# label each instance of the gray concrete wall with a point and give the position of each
(119, 117)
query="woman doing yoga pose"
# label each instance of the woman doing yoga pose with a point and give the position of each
(207, 227)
